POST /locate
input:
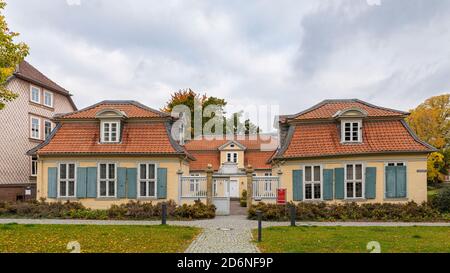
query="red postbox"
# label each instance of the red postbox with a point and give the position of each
(281, 196)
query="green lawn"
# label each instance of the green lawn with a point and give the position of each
(16, 238)
(354, 239)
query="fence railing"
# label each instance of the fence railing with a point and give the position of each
(265, 187)
(193, 187)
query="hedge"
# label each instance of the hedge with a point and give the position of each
(129, 211)
(408, 212)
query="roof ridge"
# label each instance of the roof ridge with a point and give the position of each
(115, 102)
(328, 101)
(42, 74)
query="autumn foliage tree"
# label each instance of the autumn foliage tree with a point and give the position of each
(11, 54)
(431, 121)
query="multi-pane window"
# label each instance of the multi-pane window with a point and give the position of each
(34, 166)
(351, 131)
(35, 128)
(110, 131)
(48, 98)
(35, 94)
(354, 181)
(147, 180)
(313, 182)
(393, 164)
(66, 180)
(47, 128)
(107, 180)
(232, 157)
(267, 185)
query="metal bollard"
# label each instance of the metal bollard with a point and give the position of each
(293, 215)
(259, 214)
(164, 213)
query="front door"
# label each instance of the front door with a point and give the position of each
(234, 188)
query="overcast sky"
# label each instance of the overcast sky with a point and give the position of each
(290, 53)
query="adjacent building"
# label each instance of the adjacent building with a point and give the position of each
(27, 122)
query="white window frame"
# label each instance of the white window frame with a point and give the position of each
(313, 182)
(396, 163)
(31, 94)
(51, 128)
(34, 166)
(107, 179)
(102, 131)
(232, 155)
(67, 180)
(38, 128)
(46, 92)
(343, 122)
(354, 180)
(147, 180)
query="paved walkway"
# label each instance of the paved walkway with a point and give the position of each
(223, 234)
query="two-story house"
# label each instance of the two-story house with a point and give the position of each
(27, 121)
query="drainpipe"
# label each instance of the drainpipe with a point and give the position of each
(209, 185)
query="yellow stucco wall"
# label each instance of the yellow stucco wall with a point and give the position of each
(172, 165)
(416, 178)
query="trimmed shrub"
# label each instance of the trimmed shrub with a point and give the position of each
(130, 211)
(243, 200)
(409, 212)
(441, 201)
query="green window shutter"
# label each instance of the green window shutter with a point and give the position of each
(162, 183)
(121, 180)
(400, 186)
(297, 185)
(391, 177)
(371, 182)
(132, 183)
(339, 183)
(81, 182)
(91, 182)
(52, 182)
(328, 184)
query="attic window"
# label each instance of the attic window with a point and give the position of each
(351, 131)
(231, 145)
(110, 131)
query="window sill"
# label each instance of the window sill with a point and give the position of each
(147, 198)
(350, 200)
(37, 140)
(38, 104)
(67, 199)
(396, 199)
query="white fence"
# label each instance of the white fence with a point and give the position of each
(265, 187)
(195, 187)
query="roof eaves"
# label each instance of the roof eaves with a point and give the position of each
(33, 151)
(416, 137)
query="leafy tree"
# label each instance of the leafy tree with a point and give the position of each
(431, 121)
(435, 165)
(11, 54)
(189, 98)
(235, 125)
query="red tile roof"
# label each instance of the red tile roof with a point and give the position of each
(208, 143)
(137, 138)
(132, 109)
(206, 151)
(328, 108)
(203, 158)
(323, 139)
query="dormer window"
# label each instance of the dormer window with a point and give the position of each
(110, 131)
(351, 131)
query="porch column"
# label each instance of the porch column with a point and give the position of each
(249, 171)
(180, 185)
(209, 185)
